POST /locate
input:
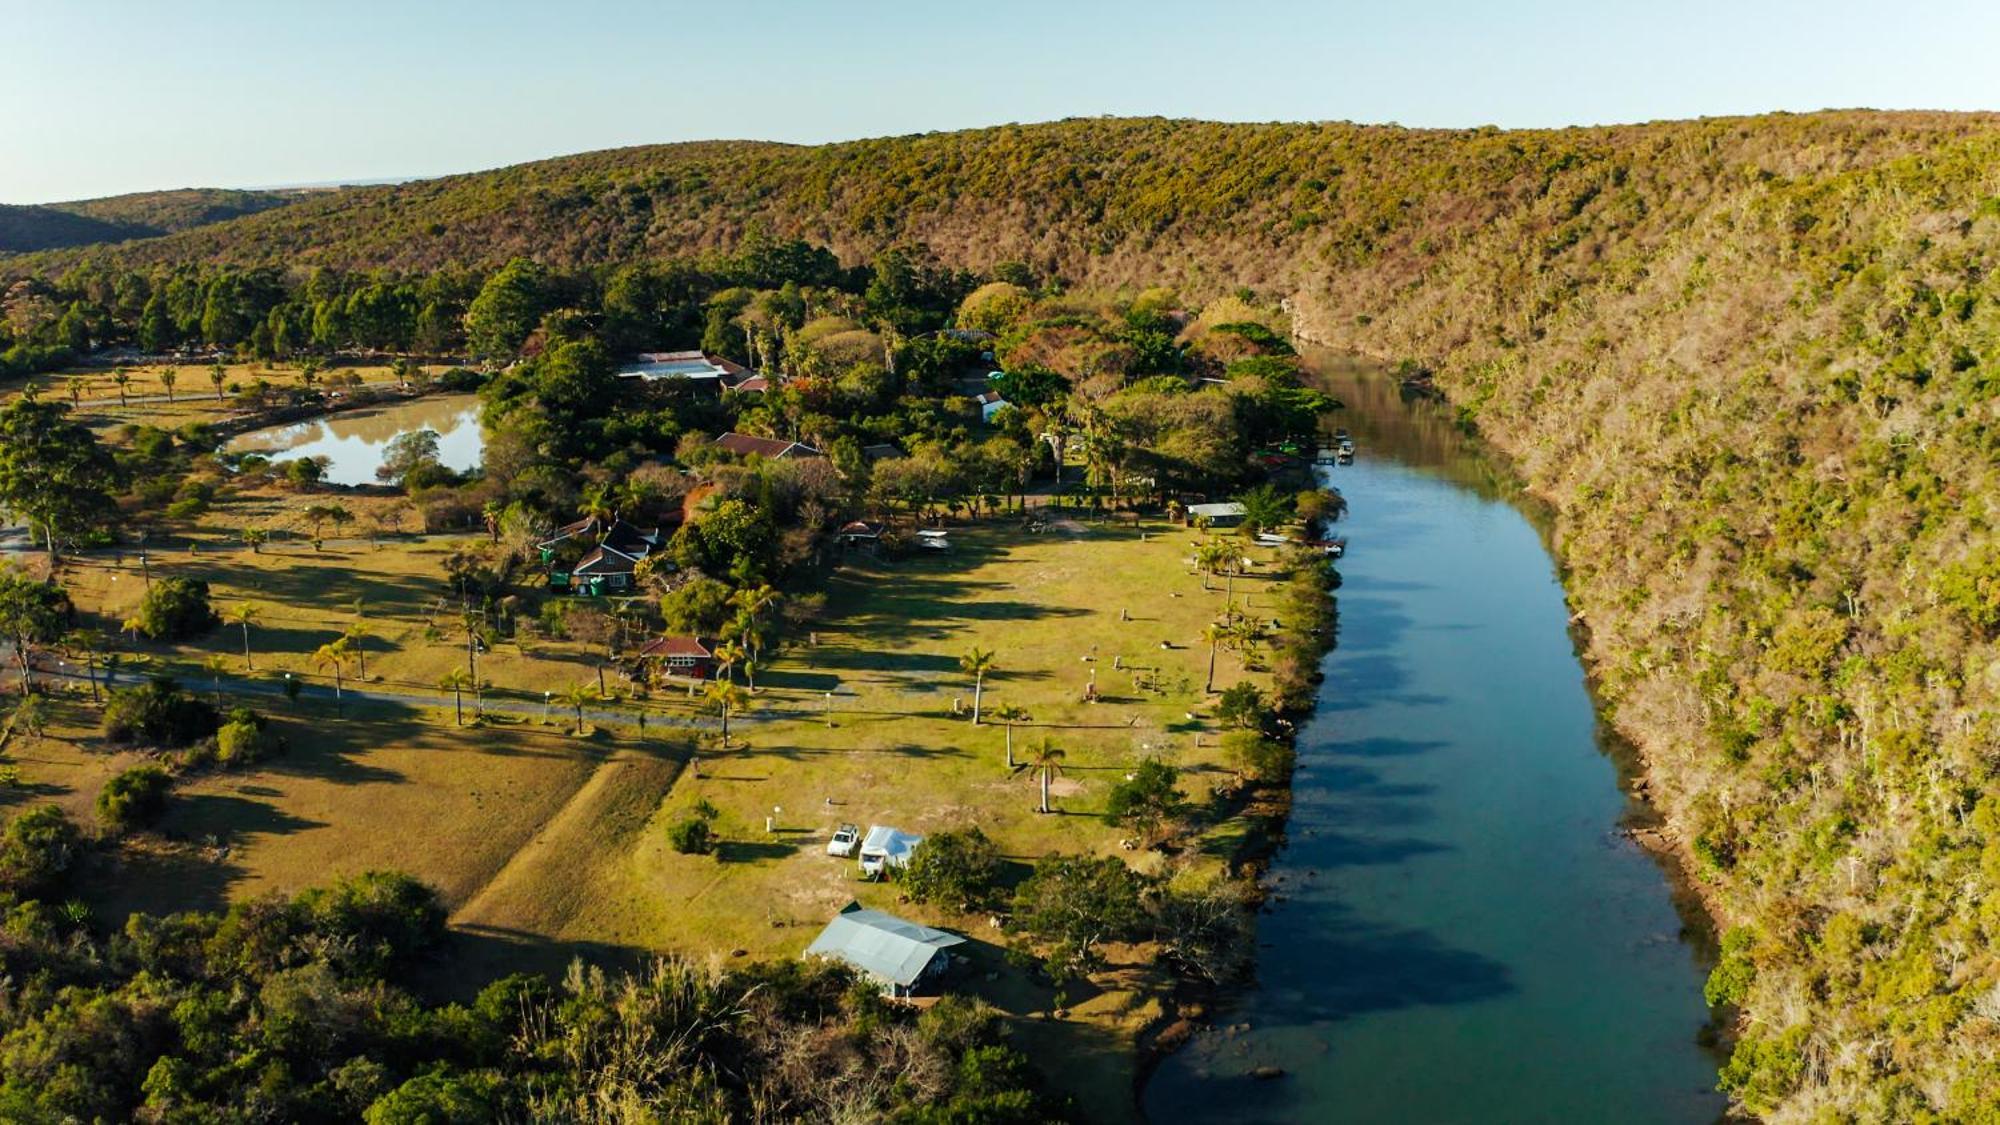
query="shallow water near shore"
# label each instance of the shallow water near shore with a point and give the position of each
(353, 442)
(1459, 931)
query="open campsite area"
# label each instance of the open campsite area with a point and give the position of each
(545, 843)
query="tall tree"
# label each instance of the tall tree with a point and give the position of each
(32, 613)
(508, 307)
(53, 471)
(976, 663)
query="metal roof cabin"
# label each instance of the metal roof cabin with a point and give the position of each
(897, 954)
(1218, 515)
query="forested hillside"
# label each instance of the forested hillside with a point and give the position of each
(1751, 361)
(120, 218)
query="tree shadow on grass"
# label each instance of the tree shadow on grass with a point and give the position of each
(749, 851)
(229, 819)
(478, 955)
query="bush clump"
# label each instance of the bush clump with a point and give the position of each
(134, 798)
(175, 609)
(158, 713)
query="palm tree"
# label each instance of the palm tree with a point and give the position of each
(216, 375)
(455, 682)
(727, 697)
(121, 377)
(1047, 761)
(728, 654)
(356, 637)
(1211, 557)
(245, 614)
(91, 642)
(75, 391)
(255, 538)
(1215, 632)
(336, 654)
(576, 696)
(976, 663)
(167, 380)
(215, 664)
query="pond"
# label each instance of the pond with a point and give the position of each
(354, 441)
(1460, 930)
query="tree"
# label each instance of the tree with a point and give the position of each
(694, 834)
(1211, 557)
(408, 457)
(167, 380)
(133, 798)
(1046, 761)
(1075, 904)
(1215, 632)
(176, 608)
(121, 376)
(215, 664)
(157, 713)
(1242, 705)
(216, 374)
(245, 615)
(53, 471)
(976, 663)
(1256, 755)
(1147, 800)
(90, 642)
(507, 308)
(334, 653)
(728, 655)
(32, 613)
(727, 697)
(577, 696)
(455, 682)
(36, 849)
(255, 537)
(356, 637)
(1265, 507)
(957, 868)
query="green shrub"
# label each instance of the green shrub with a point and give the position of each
(134, 798)
(1257, 756)
(157, 713)
(176, 608)
(245, 739)
(691, 835)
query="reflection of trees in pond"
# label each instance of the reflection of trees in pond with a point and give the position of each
(355, 443)
(1391, 423)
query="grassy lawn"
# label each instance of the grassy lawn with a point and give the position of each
(98, 403)
(546, 844)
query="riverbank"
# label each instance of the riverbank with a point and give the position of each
(1457, 910)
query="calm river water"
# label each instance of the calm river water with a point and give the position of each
(354, 441)
(1464, 936)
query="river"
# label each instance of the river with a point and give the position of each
(1460, 932)
(354, 441)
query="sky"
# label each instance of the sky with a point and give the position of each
(99, 97)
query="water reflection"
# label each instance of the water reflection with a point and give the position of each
(353, 442)
(1461, 934)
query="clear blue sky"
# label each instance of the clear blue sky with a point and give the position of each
(100, 96)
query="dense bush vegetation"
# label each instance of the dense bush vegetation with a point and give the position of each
(133, 798)
(1752, 363)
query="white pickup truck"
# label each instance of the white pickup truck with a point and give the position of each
(844, 839)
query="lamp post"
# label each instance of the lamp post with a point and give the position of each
(829, 709)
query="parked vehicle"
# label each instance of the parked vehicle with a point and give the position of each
(844, 840)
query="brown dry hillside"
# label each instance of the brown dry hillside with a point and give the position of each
(1753, 362)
